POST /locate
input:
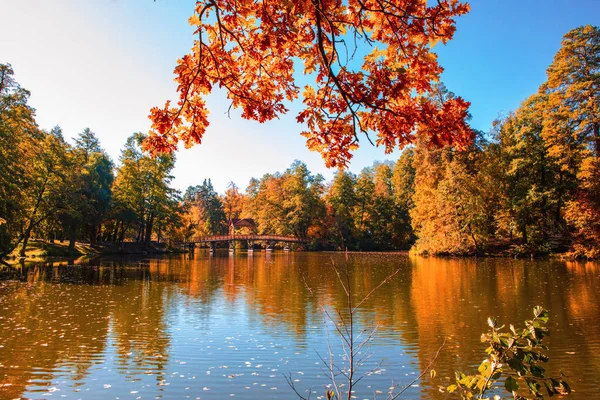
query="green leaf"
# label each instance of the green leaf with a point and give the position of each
(511, 384)
(517, 366)
(541, 314)
(534, 386)
(537, 371)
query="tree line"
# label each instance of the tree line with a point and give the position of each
(529, 186)
(51, 189)
(533, 184)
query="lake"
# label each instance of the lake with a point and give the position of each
(239, 326)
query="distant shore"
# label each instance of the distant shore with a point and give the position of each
(38, 250)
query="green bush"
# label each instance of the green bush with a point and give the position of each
(517, 355)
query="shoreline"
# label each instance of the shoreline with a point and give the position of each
(44, 251)
(40, 251)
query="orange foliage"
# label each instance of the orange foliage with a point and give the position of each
(250, 48)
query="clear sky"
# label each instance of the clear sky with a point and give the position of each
(103, 64)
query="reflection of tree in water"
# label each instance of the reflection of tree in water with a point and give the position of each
(274, 293)
(139, 326)
(54, 310)
(58, 320)
(60, 329)
(579, 318)
(275, 287)
(453, 298)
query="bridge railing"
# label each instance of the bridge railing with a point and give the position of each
(225, 238)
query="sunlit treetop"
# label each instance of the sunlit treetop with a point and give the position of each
(369, 62)
(573, 89)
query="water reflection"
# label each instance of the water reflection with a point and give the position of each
(213, 326)
(452, 298)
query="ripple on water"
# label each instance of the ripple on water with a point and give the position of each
(214, 327)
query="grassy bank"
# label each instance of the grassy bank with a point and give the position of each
(38, 249)
(41, 249)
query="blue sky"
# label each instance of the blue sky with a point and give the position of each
(103, 64)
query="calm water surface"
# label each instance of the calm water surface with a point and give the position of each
(215, 327)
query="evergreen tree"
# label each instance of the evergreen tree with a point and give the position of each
(87, 143)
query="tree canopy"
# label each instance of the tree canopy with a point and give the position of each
(370, 62)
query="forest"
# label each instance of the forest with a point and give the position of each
(530, 186)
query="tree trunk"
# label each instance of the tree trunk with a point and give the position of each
(148, 235)
(113, 237)
(474, 240)
(523, 230)
(124, 228)
(26, 236)
(93, 234)
(72, 236)
(30, 222)
(596, 129)
(140, 234)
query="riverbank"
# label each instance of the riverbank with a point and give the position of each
(506, 248)
(40, 250)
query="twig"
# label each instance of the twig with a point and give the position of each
(437, 353)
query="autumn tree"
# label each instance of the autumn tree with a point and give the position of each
(250, 196)
(571, 128)
(364, 188)
(233, 201)
(142, 194)
(69, 202)
(341, 201)
(96, 177)
(301, 192)
(205, 209)
(370, 61)
(47, 170)
(535, 187)
(288, 203)
(403, 182)
(47, 187)
(17, 135)
(129, 192)
(448, 215)
(266, 204)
